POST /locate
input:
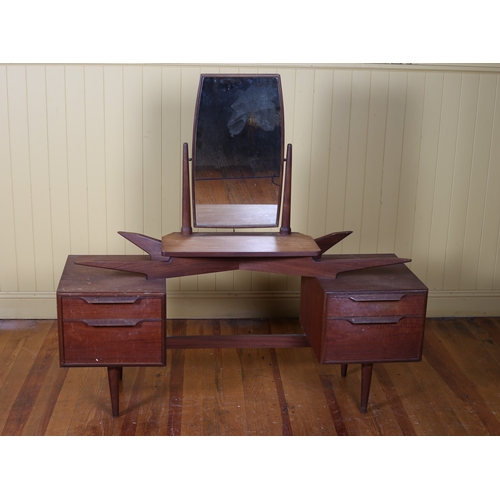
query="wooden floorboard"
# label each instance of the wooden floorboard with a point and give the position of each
(453, 391)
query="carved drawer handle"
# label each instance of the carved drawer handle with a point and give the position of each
(96, 323)
(110, 300)
(374, 320)
(377, 298)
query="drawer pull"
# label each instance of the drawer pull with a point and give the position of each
(377, 298)
(110, 300)
(96, 323)
(374, 320)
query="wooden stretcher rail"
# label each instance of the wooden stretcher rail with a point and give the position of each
(236, 341)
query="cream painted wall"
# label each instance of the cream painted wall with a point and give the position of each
(408, 157)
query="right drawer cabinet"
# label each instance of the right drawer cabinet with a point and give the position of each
(368, 316)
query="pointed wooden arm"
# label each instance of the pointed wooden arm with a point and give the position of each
(293, 266)
(152, 246)
(328, 241)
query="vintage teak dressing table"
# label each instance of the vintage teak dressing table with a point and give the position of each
(354, 308)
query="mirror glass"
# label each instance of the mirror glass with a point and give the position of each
(238, 151)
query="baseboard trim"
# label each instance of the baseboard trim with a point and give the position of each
(212, 304)
(460, 303)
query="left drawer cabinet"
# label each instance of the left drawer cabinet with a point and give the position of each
(120, 331)
(110, 318)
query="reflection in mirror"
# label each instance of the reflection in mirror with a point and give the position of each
(238, 151)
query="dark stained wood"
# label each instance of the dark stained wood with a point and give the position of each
(370, 315)
(366, 379)
(366, 316)
(172, 268)
(287, 194)
(114, 381)
(218, 245)
(237, 341)
(152, 246)
(186, 199)
(106, 321)
(327, 267)
(452, 391)
(329, 240)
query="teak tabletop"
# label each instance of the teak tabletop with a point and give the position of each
(239, 245)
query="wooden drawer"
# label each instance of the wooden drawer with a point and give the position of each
(376, 304)
(104, 342)
(366, 316)
(102, 306)
(369, 340)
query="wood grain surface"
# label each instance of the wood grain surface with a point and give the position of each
(254, 392)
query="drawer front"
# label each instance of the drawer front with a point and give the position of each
(95, 343)
(378, 340)
(376, 304)
(101, 307)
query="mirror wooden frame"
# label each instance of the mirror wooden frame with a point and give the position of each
(220, 104)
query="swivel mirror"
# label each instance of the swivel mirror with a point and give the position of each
(238, 155)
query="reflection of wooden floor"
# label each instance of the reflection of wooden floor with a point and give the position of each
(233, 172)
(261, 190)
(220, 215)
(452, 391)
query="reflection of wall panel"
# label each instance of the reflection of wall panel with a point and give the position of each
(407, 157)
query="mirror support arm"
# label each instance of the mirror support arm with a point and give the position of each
(186, 228)
(287, 193)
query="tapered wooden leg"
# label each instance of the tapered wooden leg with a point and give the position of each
(366, 379)
(114, 382)
(343, 370)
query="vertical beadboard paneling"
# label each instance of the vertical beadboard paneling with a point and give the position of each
(114, 158)
(57, 146)
(445, 160)
(356, 159)
(488, 273)
(461, 181)
(171, 149)
(39, 173)
(77, 159)
(21, 177)
(320, 152)
(8, 253)
(171, 155)
(339, 151)
(374, 167)
(478, 179)
(132, 152)
(301, 141)
(152, 165)
(409, 159)
(409, 164)
(393, 147)
(426, 173)
(96, 158)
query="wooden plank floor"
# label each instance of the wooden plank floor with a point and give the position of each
(454, 390)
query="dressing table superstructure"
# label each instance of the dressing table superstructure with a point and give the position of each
(239, 178)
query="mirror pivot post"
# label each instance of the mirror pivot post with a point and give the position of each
(186, 228)
(287, 193)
